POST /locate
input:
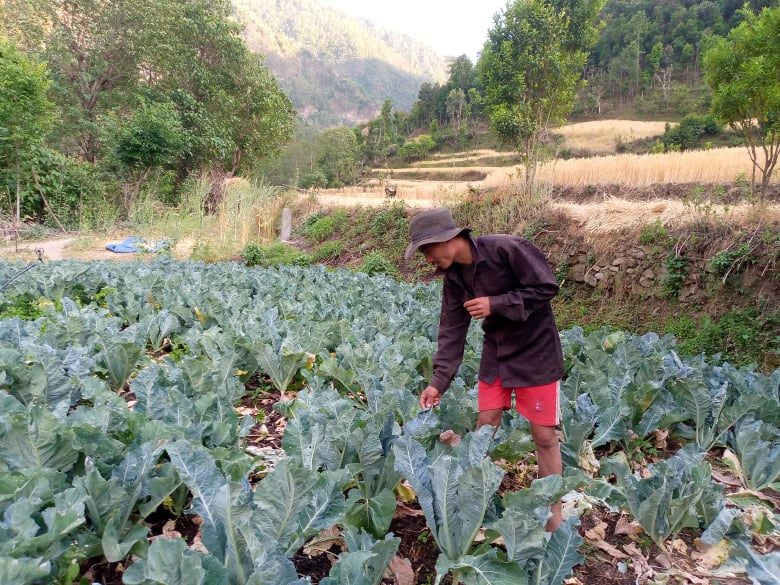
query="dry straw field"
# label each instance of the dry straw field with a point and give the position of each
(722, 165)
(599, 214)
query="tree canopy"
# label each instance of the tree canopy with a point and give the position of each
(175, 71)
(531, 65)
(26, 113)
(742, 70)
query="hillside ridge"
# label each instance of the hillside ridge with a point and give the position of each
(337, 69)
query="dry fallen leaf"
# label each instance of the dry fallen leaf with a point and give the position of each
(660, 438)
(598, 532)
(633, 550)
(402, 509)
(612, 551)
(710, 556)
(624, 527)
(679, 546)
(689, 577)
(402, 571)
(323, 542)
(168, 531)
(197, 544)
(726, 478)
(663, 561)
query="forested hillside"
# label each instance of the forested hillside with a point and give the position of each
(337, 69)
(648, 54)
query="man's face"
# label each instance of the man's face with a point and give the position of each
(440, 254)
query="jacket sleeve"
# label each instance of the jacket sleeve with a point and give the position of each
(536, 284)
(453, 326)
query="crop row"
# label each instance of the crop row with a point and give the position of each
(83, 467)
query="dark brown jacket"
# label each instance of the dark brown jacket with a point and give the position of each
(521, 343)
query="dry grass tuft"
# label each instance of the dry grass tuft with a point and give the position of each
(615, 216)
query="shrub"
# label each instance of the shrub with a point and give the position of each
(329, 250)
(676, 271)
(313, 180)
(390, 222)
(376, 263)
(321, 229)
(732, 260)
(273, 255)
(690, 129)
(653, 232)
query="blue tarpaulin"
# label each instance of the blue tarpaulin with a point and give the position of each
(133, 244)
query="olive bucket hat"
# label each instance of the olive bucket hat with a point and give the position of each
(431, 227)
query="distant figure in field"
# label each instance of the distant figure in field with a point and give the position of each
(391, 191)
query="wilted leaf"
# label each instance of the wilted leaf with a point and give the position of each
(624, 527)
(710, 557)
(660, 438)
(598, 532)
(406, 492)
(451, 438)
(403, 574)
(323, 542)
(612, 551)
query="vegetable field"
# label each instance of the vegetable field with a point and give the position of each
(120, 387)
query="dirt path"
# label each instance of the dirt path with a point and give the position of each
(53, 249)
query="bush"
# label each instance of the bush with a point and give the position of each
(390, 222)
(329, 250)
(732, 260)
(274, 254)
(313, 180)
(320, 229)
(690, 130)
(653, 233)
(376, 263)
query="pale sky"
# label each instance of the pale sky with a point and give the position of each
(451, 28)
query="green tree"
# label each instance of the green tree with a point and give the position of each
(150, 139)
(93, 49)
(530, 68)
(457, 111)
(417, 149)
(26, 113)
(102, 54)
(462, 73)
(228, 99)
(742, 71)
(340, 155)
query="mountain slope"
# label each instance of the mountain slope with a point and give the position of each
(337, 69)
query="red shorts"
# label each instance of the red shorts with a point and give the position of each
(539, 404)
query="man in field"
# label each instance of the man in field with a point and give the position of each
(506, 281)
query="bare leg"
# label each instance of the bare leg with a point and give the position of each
(489, 417)
(548, 456)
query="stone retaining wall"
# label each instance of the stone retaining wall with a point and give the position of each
(642, 270)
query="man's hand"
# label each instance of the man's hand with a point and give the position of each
(430, 397)
(478, 308)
